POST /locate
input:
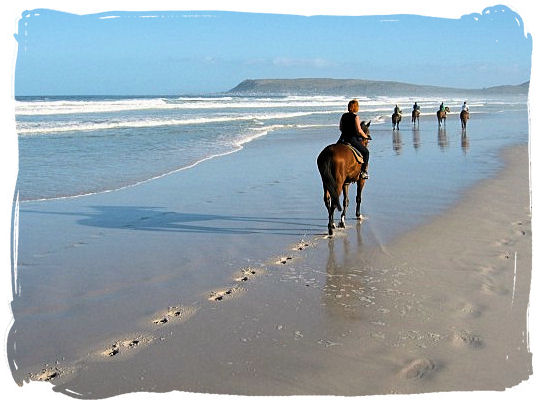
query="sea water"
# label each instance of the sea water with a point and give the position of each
(73, 146)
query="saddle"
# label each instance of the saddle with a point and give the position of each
(356, 153)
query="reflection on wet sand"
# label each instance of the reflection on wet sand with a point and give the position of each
(464, 142)
(442, 141)
(416, 138)
(346, 289)
(396, 139)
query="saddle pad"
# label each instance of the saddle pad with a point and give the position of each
(357, 154)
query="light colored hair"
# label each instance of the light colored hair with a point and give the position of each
(353, 106)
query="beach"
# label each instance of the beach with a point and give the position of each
(220, 278)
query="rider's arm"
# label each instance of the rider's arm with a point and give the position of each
(358, 126)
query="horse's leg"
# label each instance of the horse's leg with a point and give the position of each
(330, 210)
(360, 184)
(342, 223)
(331, 225)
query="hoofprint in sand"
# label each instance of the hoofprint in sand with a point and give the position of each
(440, 308)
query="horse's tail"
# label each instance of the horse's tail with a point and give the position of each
(324, 163)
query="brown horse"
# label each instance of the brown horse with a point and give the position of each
(415, 117)
(442, 115)
(395, 119)
(338, 168)
(464, 116)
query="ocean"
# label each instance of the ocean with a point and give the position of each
(74, 146)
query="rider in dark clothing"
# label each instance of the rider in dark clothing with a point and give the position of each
(353, 134)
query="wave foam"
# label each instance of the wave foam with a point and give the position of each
(65, 107)
(28, 128)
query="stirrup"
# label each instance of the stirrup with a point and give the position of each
(364, 175)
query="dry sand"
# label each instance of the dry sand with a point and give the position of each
(441, 308)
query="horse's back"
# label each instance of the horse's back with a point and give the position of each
(338, 154)
(329, 152)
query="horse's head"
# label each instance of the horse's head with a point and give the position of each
(447, 109)
(365, 128)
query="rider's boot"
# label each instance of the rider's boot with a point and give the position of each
(364, 174)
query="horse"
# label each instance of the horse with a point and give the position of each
(395, 119)
(464, 116)
(338, 168)
(415, 117)
(442, 115)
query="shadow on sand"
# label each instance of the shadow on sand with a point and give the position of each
(156, 219)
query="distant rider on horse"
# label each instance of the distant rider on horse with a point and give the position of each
(352, 133)
(465, 107)
(442, 107)
(397, 110)
(416, 107)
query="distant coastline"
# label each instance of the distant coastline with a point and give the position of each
(308, 86)
(353, 86)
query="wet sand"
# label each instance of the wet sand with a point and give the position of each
(193, 283)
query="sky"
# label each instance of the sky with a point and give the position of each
(188, 52)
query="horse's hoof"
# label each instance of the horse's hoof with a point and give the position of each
(341, 225)
(359, 217)
(330, 231)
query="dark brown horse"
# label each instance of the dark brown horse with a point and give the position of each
(338, 168)
(464, 116)
(415, 117)
(442, 115)
(395, 119)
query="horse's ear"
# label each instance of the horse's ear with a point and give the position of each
(368, 124)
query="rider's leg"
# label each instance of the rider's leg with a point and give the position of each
(365, 152)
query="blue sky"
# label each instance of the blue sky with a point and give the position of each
(149, 53)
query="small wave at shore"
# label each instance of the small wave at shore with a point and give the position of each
(236, 145)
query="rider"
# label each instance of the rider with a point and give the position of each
(352, 133)
(397, 110)
(441, 107)
(416, 107)
(465, 107)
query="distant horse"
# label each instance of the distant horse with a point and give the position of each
(442, 115)
(395, 119)
(464, 116)
(415, 117)
(338, 168)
